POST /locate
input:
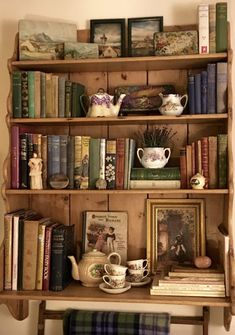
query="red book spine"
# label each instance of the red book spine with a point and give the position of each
(120, 163)
(205, 160)
(183, 168)
(15, 156)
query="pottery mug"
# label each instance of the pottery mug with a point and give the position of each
(115, 281)
(137, 276)
(137, 264)
(115, 270)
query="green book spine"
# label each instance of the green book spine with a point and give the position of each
(68, 98)
(222, 159)
(74, 100)
(61, 102)
(70, 161)
(16, 94)
(221, 27)
(25, 94)
(170, 173)
(31, 89)
(43, 95)
(94, 166)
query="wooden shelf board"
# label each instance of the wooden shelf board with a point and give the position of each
(202, 118)
(132, 191)
(76, 292)
(121, 64)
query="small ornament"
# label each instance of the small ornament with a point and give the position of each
(202, 262)
(35, 165)
(198, 181)
(101, 184)
(59, 181)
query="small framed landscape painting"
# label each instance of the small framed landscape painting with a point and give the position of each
(140, 35)
(175, 231)
(109, 34)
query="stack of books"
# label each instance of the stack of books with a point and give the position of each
(164, 178)
(190, 282)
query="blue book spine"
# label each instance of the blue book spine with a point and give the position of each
(198, 93)
(63, 154)
(53, 155)
(191, 94)
(16, 94)
(211, 85)
(204, 92)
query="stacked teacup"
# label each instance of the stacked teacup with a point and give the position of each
(138, 270)
(115, 276)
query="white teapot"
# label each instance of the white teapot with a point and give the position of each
(171, 104)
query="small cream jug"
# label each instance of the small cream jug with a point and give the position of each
(90, 269)
(171, 104)
(153, 158)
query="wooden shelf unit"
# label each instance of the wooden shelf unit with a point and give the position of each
(68, 205)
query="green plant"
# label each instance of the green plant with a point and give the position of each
(156, 137)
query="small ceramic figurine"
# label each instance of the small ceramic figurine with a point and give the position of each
(35, 164)
(101, 184)
(198, 181)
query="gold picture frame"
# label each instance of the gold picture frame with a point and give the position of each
(175, 231)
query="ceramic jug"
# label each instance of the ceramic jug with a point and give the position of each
(172, 104)
(153, 158)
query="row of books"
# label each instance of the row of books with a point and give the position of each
(207, 90)
(212, 26)
(35, 252)
(164, 178)
(190, 282)
(82, 159)
(209, 157)
(37, 94)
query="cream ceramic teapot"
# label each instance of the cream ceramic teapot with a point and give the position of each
(171, 104)
(101, 104)
(91, 267)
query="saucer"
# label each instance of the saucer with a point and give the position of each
(143, 282)
(104, 287)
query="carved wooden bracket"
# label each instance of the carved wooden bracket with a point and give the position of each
(19, 309)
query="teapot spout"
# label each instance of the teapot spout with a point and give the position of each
(116, 108)
(75, 273)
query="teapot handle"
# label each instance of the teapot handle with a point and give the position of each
(116, 255)
(186, 99)
(168, 150)
(138, 153)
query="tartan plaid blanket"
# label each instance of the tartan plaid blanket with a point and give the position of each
(80, 322)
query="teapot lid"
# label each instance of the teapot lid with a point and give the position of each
(94, 253)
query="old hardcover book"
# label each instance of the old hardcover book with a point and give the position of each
(205, 160)
(189, 164)
(31, 93)
(193, 158)
(110, 164)
(55, 98)
(158, 184)
(37, 94)
(102, 158)
(61, 102)
(77, 161)
(183, 168)
(15, 157)
(94, 162)
(198, 93)
(204, 86)
(70, 161)
(221, 27)
(211, 88)
(85, 163)
(213, 161)
(106, 232)
(221, 87)
(120, 163)
(45, 161)
(62, 245)
(198, 156)
(132, 146)
(68, 98)
(63, 154)
(212, 28)
(126, 162)
(222, 160)
(53, 142)
(43, 95)
(40, 252)
(16, 94)
(191, 94)
(166, 173)
(203, 28)
(24, 169)
(49, 95)
(24, 94)
(202, 274)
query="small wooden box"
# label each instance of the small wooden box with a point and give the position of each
(176, 43)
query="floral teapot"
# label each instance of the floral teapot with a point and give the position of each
(171, 104)
(101, 104)
(90, 269)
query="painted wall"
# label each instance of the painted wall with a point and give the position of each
(80, 12)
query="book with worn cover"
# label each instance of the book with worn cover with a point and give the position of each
(62, 245)
(212, 28)
(221, 87)
(166, 173)
(203, 28)
(110, 164)
(120, 163)
(16, 94)
(213, 161)
(211, 88)
(221, 27)
(106, 232)
(222, 160)
(158, 184)
(94, 162)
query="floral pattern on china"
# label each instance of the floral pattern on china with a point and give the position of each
(153, 158)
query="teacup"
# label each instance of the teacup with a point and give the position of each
(114, 269)
(115, 281)
(137, 276)
(137, 264)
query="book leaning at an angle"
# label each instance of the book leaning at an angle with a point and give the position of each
(106, 232)
(158, 184)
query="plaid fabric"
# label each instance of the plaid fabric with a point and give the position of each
(78, 322)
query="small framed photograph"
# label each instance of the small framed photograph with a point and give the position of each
(140, 35)
(175, 232)
(109, 34)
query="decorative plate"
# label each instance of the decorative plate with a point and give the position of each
(143, 282)
(104, 287)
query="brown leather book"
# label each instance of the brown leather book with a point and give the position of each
(213, 158)
(205, 160)
(120, 163)
(183, 168)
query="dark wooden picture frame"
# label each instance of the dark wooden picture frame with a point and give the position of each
(140, 35)
(109, 34)
(175, 231)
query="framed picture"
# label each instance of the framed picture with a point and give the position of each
(140, 35)
(109, 34)
(175, 231)
(106, 232)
